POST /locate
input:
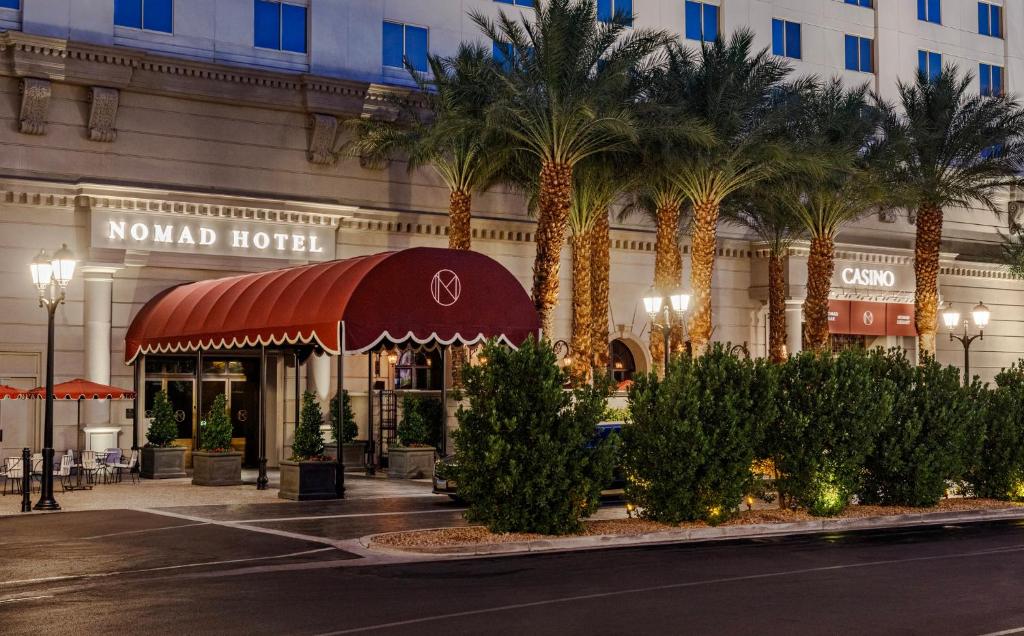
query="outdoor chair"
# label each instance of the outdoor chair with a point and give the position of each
(37, 469)
(63, 474)
(90, 467)
(110, 461)
(130, 466)
(13, 474)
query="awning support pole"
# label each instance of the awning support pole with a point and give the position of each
(298, 398)
(339, 481)
(137, 402)
(370, 468)
(444, 401)
(199, 401)
(261, 480)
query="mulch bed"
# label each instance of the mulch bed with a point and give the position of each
(478, 535)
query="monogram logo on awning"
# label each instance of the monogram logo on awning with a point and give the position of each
(445, 287)
(869, 318)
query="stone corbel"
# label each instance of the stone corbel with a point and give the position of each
(35, 105)
(322, 136)
(103, 113)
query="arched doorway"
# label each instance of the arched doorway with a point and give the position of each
(623, 363)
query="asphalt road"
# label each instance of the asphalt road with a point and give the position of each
(184, 576)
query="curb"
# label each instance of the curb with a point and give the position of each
(685, 535)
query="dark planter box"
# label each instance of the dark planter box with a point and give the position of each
(307, 481)
(353, 454)
(216, 469)
(163, 463)
(410, 462)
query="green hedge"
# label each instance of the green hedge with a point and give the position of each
(524, 460)
(999, 473)
(689, 449)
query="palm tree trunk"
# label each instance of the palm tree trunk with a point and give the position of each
(776, 308)
(703, 246)
(820, 265)
(554, 199)
(668, 272)
(459, 214)
(581, 349)
(600, 270)
(926, 273)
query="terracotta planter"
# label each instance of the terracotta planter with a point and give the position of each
(353, 454)
(411, 462)
(163, 463)
(216, 469)
(307, 481)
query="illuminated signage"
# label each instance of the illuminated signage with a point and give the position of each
(865, 277)
(212, 235)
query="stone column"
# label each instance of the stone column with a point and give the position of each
(794, 327)
(99, 282)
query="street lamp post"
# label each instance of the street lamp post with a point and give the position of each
(951, 317)
(51, 276)
(660, 305)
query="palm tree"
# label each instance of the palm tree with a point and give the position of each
(953, 149)
(600, 283)
(762, 211)
(442, 127)
(841, 129)
(562, 99)
(730, 89)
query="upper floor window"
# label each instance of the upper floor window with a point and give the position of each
(929, 63)
(10, 4)
(991, 78)
(990, 19)
(405, 43)
(786, 38)
(862, 3)
(859, 54)
(929, 11)
(701, 21)
(608, 10)
(279, 25)
(521, 3)
(152, 15)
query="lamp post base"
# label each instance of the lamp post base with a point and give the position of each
(46, 500)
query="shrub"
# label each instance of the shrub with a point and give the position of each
(421, 421)
(524, 461)
(830, 411)
(349, 428)
(615, 414)
(1000, 471)
(689, 450)
(931, 437)
(163, 430)
(216, 433)
(309, 440)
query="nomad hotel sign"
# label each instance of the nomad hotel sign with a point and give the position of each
(212, 235)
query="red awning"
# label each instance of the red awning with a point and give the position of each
(10, 393)
(79, 389)
(426, 295)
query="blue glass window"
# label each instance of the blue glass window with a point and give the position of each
(10, 4)
(859, 54)
(701, 21)
(991, 79)
(929, 11)
(293, 28)
(152, 15)
(930, 64)
(786, 38)
(405, 43)
(608, 10)
(862, 3)
(278, 25)
(521, 3)
(990, 19)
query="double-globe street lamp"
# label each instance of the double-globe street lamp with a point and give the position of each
(51, 275)
(663, 306)
(951, 316)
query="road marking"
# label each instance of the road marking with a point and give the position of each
(24, 598)
(1006, 632)
(670, 586)
(346, 516)
(162, 568)
(118, 534)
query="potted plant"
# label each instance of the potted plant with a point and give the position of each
(308, 473)
(216, 463)
(413, 456)
(161, 459)
(352, 452)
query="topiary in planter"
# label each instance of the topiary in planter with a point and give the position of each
(524, 460)
(309, 440)
(216, 430)
(349, 429)
(163, 430)
(421, 421)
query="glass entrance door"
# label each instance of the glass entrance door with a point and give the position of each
(181, 395)
(238, 380)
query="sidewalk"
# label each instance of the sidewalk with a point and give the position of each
(166, 493)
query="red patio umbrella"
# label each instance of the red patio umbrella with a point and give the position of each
(78, 390)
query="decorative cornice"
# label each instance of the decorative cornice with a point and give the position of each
(186, 208)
